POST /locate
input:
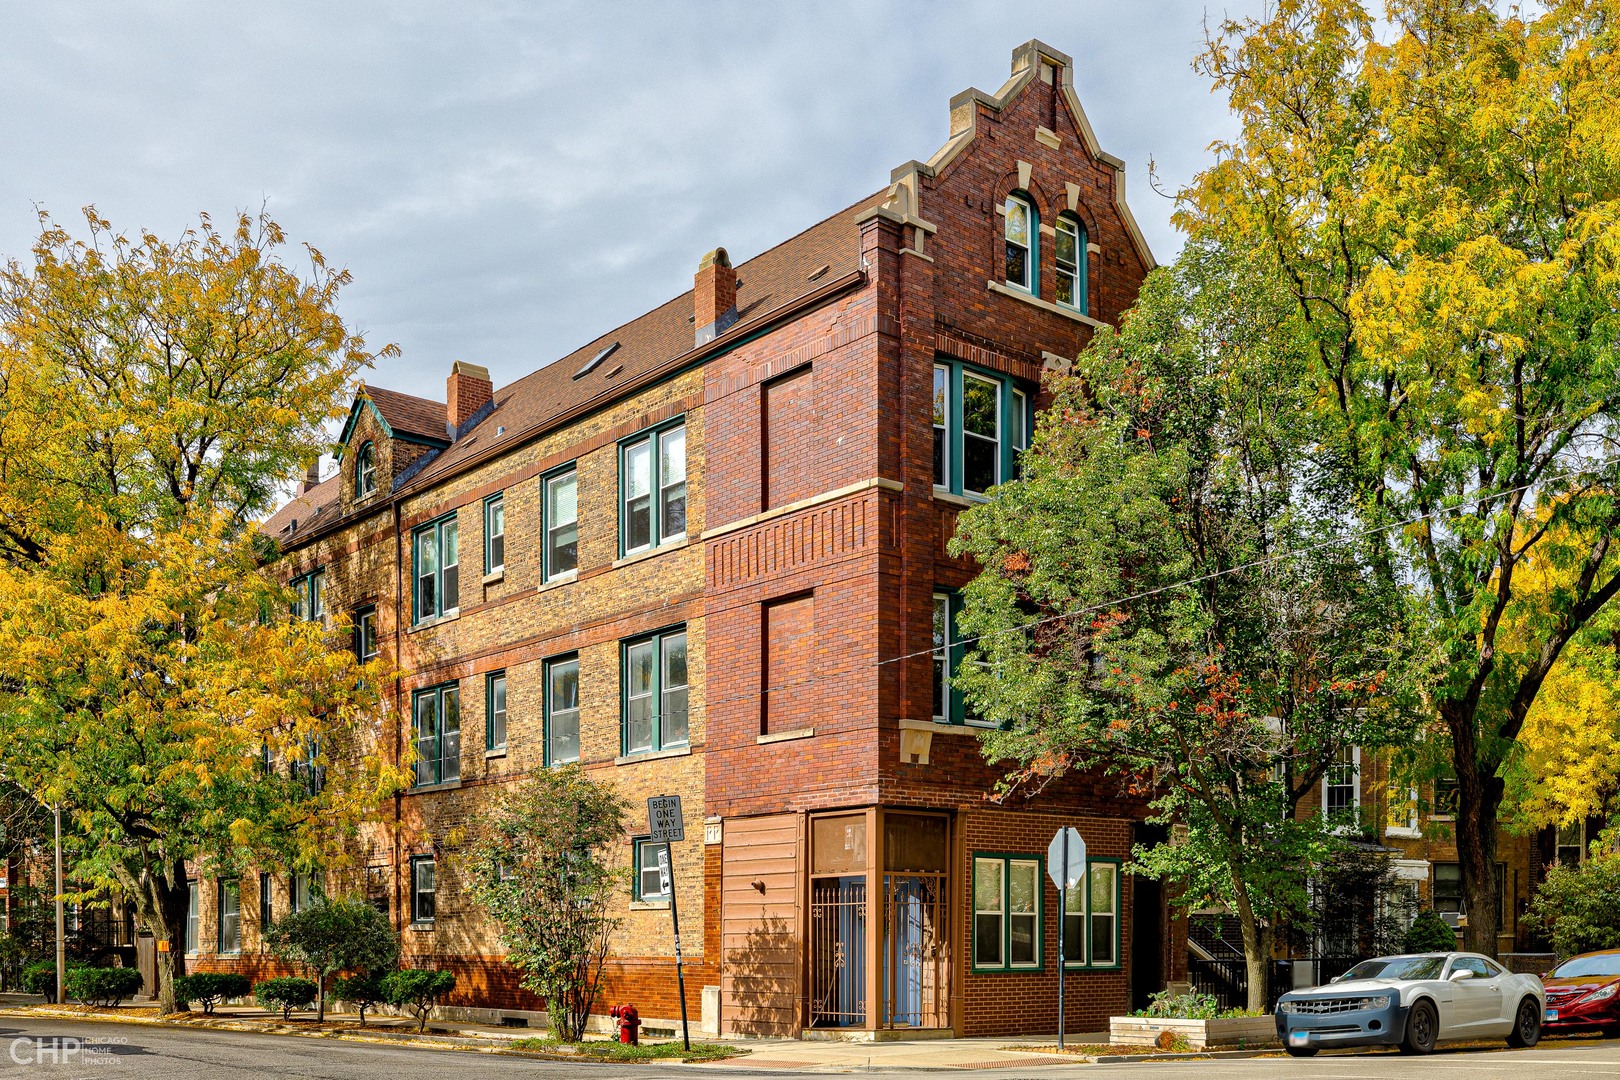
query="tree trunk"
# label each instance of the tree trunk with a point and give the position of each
(1256, 960)
(1479, 797)
(320, 997)
(161, 901)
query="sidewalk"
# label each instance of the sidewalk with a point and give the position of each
(811, 1055)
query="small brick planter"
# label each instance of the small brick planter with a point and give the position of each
(1232, 1033)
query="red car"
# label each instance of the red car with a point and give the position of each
(1583, 993)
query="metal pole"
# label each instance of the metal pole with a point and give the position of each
(680, 976)
(1063, 918)
(61, 945)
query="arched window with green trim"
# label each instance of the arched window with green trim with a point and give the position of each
(365, 471)
(1021, 229)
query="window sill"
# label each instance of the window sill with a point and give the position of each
(494, 577)
(653, 755)
(649, 905)
(557, 581)
(786, 736)
(941, 727)
(427, 624)
(1045, 305)
(947, 496)
(444, 785)
(1403, 833)
(668, 545)
(422, 927)
(490, 755)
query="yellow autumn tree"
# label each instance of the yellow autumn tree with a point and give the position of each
(153, 395)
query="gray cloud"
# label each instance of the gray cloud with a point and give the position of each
(508, 180)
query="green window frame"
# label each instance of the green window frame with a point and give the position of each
(366, 644)
(229, 930)
(562, 709)
(982, 423)
(652, 488)
(435, 569)
(560, 524)
(1069, 248)
(649, 885)
(1007, 894)
(1021, 237)
(495, 712)
(365, 471)
(424, 890)
(309, 596)
(436, 726)
(495, 533)
(948, 655)
(654, 678)
(1091, 917)
(193, 915)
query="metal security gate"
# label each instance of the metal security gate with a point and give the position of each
(916, 957)
(838, 951)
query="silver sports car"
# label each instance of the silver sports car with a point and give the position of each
(1413, 1002)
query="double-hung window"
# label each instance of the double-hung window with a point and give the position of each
(267, 901)
(300, 891)
(424, 890)
(1006, 913)
(562, 523)
(1019, 229)
(1341, 787)
(307, 771)
(655, 692)
(366, 647)
(982, 423)
(365, 471)
(193, 918)
(230, 917)
(562, 710)
(652, 483)
(948, 655)
(1071, 263)
(1091, 917)
(649, 881)
(309, 597)
(437, 559)
(438, 734)
(494, 534)
(495, 712)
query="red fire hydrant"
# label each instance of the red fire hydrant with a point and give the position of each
(629, 1023)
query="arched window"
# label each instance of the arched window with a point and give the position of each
(365, 471)
(1020, 227)
(1071, 262)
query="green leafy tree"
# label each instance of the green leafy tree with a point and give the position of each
(419, 990)
(1164, 596)
(153, 395)
(364, 991)
(286, 993)
(1580, 906)
(1439, 196)
(1429, 933)
(209, 988)
(538, 867)
(334, 935)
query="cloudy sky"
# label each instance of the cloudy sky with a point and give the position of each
(506, 181)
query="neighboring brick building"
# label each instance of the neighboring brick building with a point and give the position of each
(705, 555)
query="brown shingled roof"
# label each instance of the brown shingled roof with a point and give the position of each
(408, 414)
(317, 506)
(768, 281)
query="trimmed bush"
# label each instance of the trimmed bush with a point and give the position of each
(418, 990)
(209, 988)
(1429, 933)
(102, 985)
(362, 991)
(40, 978)
(287, 993)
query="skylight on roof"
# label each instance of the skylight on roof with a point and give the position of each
(590, 365)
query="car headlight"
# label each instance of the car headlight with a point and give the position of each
(1602, 993)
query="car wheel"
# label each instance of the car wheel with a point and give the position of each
(1422, 1029)
(1301, 1051)
(1526, 1024)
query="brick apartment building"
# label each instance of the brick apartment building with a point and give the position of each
(705, 555)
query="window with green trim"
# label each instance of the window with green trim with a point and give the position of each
(494, 533)
(436, 713)
(562, 709)
(309, 596)
(365, 471)
(649, 883)
(1006, 913)
(981, 428)
(652, 487)
(436, 558)
(230, 917)
(655, 692)
(193, 916)
(1020, 227)
(561, 524)
(949, 654)
(1071, 263)
(366, 646)
(424, 890)
(1091, 917)
(495, 712)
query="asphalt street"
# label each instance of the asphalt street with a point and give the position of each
(83, 1051)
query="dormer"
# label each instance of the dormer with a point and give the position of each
(387, 432)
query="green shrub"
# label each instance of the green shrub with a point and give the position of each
(1429, 933)
(418, 990)
(209, 988)
(1190, 1006)
(333, 935)
(1580, 905)
(40, 978)
(286, 994)
(363, 991)
(102, 985)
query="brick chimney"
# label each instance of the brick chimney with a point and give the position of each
(466, 391)
(714, 295)
(312, 476)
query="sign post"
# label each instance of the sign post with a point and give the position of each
(666, 826)
(1066, 866)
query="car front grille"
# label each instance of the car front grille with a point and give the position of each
(1320, 1006)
